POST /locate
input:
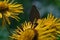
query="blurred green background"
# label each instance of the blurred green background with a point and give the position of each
(43, 6)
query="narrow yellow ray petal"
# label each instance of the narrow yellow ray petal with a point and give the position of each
(0, 15)
(58, 20)
(54, 20)
(19, 29)
(11, 13)
(11, 2)
(7, 19)
(15, 14)
(45, 36)
(53, 36)
(16, 10)
(16, 5)
(58, 32)
(57, 24)
(20, 7)
(3, 21)
(15, 17)
(32, 26)
(7, 1)
(48, 16)
(51, 15)
(8, 14)
(46, 27)
(48, 31)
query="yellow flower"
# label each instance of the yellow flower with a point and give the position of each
(26, 33)
(48, 28)
(9, 9)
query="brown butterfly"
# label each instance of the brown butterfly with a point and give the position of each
(34, 14)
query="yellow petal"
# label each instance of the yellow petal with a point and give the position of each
(0, 15)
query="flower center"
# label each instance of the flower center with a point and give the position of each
(3, 7)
